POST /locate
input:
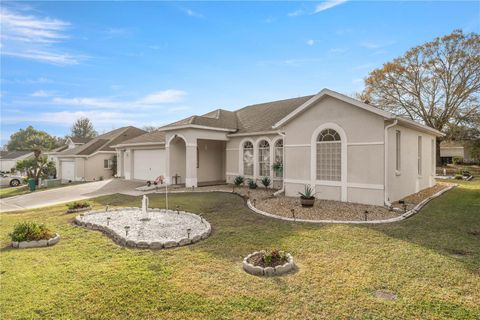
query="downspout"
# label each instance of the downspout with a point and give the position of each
(385, 147)
(283, 166)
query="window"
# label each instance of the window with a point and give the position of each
(248, 158)
(433, 157)
(198, 158)
(279, 158)
(398, 158)
(329, 156)
(419, 155)
(264, 158)
(107, 164)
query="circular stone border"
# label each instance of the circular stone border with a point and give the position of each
(142, 244)
(268, 271)
(79, 210)
(36, 244)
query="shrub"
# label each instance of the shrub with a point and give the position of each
(308, 193)
(252, 184)
(278, 168)
(458, 177)
(266, 181)
(30, 231)
(239, 180)
(78, 205)
(457, 160)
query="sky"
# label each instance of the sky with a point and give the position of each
(151, 63)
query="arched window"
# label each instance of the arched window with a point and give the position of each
(278, 164)
(264, 158)
(248, 158)
(329, 156)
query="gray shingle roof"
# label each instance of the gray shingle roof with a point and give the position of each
(253, 118)
(104, 142)
(11, 155)
(149, 137)
(80, 140)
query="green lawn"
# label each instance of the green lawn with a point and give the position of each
(86, 275)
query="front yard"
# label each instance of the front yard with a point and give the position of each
(431, 261)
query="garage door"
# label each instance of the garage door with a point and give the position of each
(68, 170)
(148, 164)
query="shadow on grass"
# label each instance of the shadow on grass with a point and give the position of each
(449, 225)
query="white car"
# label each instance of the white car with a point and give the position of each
(10, 180)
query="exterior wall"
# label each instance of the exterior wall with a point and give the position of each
(407, 181)
(94, 167)
(177, 160)
(362, 145)
(211, 161)
(7, 165)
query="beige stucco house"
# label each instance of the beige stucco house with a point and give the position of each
(347, 150)
(8, 159)
(450, 150)
(92, 160)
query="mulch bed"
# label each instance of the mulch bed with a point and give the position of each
(414, 199)
(257, 260)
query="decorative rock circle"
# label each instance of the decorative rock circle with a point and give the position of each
(36, 244)
(268, 271)
(161, 230)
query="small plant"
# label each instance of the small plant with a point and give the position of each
(252, 184)
(238, 181)
(78, 205)
(274, 258)
(266, 182)
(308, 193)
(30, 231)
(278, 168)
(458, 177)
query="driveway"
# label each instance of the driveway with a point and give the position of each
(71, 193)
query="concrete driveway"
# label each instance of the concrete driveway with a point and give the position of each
(70, 193)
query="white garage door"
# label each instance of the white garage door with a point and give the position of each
(148, 164)
(68, 170)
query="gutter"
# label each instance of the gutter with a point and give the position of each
(276, 193)
(385, 148)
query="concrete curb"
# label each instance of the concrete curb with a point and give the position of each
(268, 271)
(37, 244)
(142, 244)
(404, 216)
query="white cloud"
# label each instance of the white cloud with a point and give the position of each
(376, 45)
(192, 13)
(296, 13)
(35, 38)
(328, 5)
(41, 93)
(310, 42)
(155, 98)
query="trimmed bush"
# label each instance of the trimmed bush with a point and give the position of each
(78, 205)
(30, 231)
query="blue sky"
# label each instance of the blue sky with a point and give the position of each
(150, 63)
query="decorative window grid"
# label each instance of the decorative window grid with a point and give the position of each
(329, 156)
(248, 158)
(264, 158)
(279, 156)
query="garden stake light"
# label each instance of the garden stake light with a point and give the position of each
(293, 214)
(126, 230)
(366, 215)
(188, 233)
(178, 209)
(108, 221)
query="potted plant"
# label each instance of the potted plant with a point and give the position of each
(266, 182)
(252, 184)
(307, 197)
(278, 168)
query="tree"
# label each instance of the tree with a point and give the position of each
(83, 128)
(437, 83)
(31, 139)
(36, 167)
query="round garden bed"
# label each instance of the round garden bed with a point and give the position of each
(36, 243)
(274, 263)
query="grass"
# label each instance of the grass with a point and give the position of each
(86, 275)
(6, 192)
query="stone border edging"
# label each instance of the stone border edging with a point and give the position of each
(36, 243)
(121, 240)
(79, 210)
(404, 216)
(268, 271)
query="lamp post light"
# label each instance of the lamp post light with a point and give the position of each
(108, 220)
(188, 232)
(126, 230)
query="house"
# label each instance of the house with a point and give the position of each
(455, 149)
(92, 160)
(70, 143)
(8, 159)
(347, 150)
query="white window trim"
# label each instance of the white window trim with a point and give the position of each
(240, 157)
(313, 157)
(109, 164)
(256, 154)
(273, 156)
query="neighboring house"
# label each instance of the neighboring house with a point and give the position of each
(455, 149)
(93, 160)
(347, 150)
(8, 159)
(70, 143)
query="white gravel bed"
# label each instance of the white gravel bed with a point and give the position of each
(163, 229)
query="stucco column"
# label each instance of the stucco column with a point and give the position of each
(191, 165)
(120, 157)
